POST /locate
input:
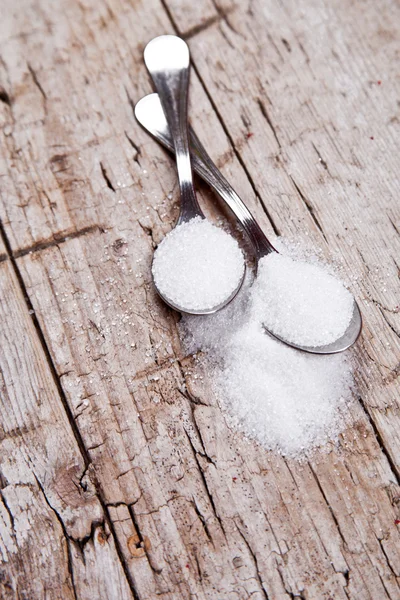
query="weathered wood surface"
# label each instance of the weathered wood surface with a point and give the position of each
(119, 477)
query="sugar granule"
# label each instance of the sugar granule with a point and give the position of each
(197, 266)
(300, 301)
(289, 401)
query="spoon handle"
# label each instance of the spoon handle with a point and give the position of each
(209, 171)
(168, 62)
(149, 113)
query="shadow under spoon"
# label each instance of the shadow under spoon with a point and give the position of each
(149, 113)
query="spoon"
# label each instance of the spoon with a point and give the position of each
(149, 113)
(168, 62)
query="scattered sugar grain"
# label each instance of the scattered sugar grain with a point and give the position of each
(197, 266)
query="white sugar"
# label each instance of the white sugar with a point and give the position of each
(287, 400)
(300, 301)
(197, 266)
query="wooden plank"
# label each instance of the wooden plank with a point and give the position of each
(216, 513)
(54, 541)
(197, 512)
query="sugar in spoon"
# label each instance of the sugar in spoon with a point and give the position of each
(149, 112)
(168, 62)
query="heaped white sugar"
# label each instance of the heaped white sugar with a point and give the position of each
(197, 266)
(288, 401)
(300, 301)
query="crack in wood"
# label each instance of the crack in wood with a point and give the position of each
(254, 560)
(226, 38)
(335, 520)
(148, 231)
(190, 33)
(309, 207)
(142, 542)
(382, 312)
(394, 225)
(185, 393)
(376, 361)
(266, 116)
(286, 44)
(56, 240)
(96, 446)
(196, 429)
(9, 512)
(202, 520)
(132, 143)
(39, 86)
(196, 454)
(393, 311)
(224, 14)
(321, 160)
(106, 177)
(3, 481)
(4, 97)
(392, 465)
(65, 533)
(395, 575)
(130, 101)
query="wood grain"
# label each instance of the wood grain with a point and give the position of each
(53, 534)
(113, 447)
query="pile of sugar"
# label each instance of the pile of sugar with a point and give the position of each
(197, 266)
(300, 301)
(289, 401)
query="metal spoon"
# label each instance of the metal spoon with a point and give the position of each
(150, 115)
(168, 61)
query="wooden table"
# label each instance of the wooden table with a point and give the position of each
(119, 478)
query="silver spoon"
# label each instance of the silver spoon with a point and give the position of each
(149, 113)
(168, 61)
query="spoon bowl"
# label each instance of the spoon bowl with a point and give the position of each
(207, 311)
(343, 343)
(149, 113)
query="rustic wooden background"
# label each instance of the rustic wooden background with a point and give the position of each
(119, 478)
